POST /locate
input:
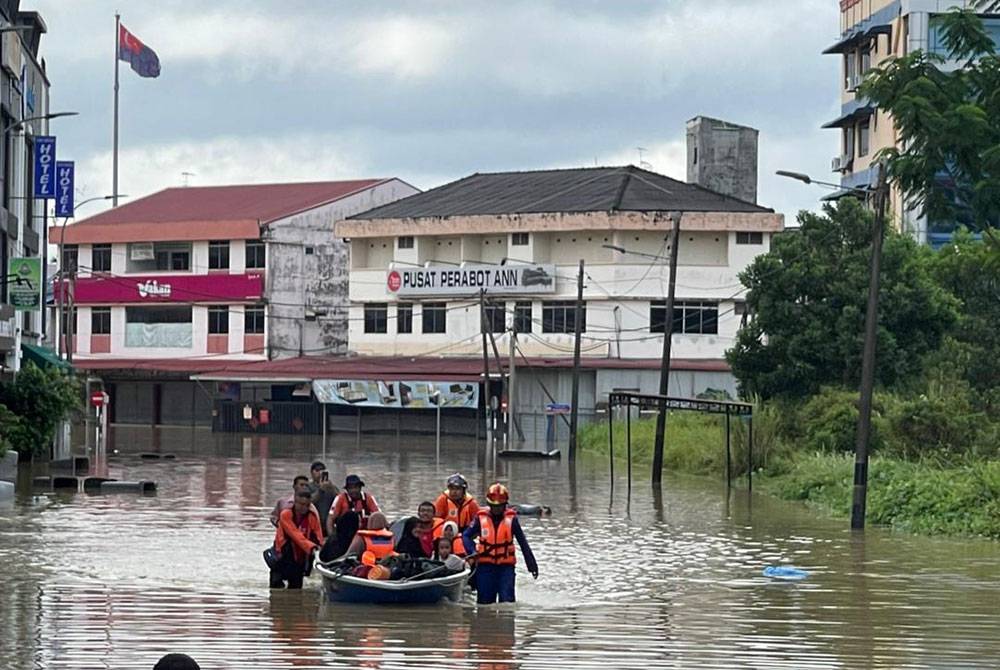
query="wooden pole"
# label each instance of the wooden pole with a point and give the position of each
(668, 322)
(729, 476)
(628, 443)
(611, 443)
(486, 365)
(575, 396)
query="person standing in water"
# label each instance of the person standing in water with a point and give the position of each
(496, 530)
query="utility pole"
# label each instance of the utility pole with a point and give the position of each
(578, 332)
(668, 322)
(487, 413)
(868, 357)
(511, 388)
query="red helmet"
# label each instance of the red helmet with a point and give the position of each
(497, 494)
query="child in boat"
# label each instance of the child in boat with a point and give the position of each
(442, 552)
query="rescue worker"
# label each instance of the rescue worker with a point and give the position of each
(455, 504)
(376, 538)
(300, 483)
(353, 501)
(496, 529)
(298, 536)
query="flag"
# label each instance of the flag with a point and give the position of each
(142, 59)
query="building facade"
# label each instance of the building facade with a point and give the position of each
(221, 274)
(24, 98)
(871, 32)
(420, 266)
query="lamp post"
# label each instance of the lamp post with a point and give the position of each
(861, 444)
(16, 125)
(62, 276)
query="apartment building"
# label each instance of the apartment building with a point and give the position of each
(871, 32)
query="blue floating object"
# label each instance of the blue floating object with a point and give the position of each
(785, 572)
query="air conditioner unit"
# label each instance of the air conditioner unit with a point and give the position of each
(835, 165)
(141, 251)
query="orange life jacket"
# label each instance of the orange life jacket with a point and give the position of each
(379, 542)
(496, 545)
(457, 546)
(463, 513)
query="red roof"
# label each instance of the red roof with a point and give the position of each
(373, 367)
(207, 212)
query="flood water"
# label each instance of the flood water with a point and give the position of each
(116, 581)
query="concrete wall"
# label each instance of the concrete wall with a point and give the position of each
(722, 156)
(307, 274)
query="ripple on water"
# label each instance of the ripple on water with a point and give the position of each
(657, 581)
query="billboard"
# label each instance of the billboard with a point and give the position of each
(45, 167)
(468, 281)
(64, 188)
(404, 394)
(103, 290)
(25, 284)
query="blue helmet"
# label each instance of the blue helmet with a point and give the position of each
(458, 480)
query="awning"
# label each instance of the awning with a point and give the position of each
(849, 118)
(857, 38)
(43, 357)
(837, 195)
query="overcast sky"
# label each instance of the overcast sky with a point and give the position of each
(267, 91)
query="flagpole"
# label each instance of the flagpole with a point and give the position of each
(114, 178)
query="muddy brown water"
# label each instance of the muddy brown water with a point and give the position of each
(115, 581)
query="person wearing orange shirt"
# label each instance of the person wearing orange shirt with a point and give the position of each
(298, 536)
(455, 504)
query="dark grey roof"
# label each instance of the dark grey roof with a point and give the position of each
(599, 189)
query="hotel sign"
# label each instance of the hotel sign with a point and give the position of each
(494, 279)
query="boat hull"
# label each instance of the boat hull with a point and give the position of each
(347, 589)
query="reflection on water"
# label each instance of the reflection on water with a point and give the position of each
(669, 580)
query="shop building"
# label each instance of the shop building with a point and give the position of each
(220, 273)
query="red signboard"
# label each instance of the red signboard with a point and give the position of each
(98, 398)
(394, 281)
(108, 290)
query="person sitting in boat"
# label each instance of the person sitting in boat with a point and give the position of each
(449, 530)
(455, 504)
(300, 483)
(298, 536)
(496, 530)
(349, 512)
(443, 553)
(376, 538)
(427, 525)
(409, 542)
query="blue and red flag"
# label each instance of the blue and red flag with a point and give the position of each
(142, 59)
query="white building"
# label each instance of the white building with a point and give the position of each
(418, 264)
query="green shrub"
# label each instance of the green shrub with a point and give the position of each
(934, 427)
(829, 421)
(39, 399)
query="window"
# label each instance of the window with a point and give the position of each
(100, 320)
(865, 61)
(495, 315)
(143, 257)
(256, 255)
(691, 317)
(749, 238)
(863, 138)
(160, 326)
(218, 255)
(218, 320)
(69, 323)
(404, 318)
(173, 257)
(253, 321)
(434, 317)
(522, 316)
(376, 317)
(560, 317)
(849, 142)
(405, 242)
(519, 240)
(70, 259)
(100, 259)
(850, 68)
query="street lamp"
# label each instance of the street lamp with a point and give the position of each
(14, 125)
(861, 444)
(62, 275)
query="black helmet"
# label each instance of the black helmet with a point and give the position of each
(458, 480)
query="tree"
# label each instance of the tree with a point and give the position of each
(947, 159)
(807, 297)
(36, 400)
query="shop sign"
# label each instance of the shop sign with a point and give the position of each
(25, 284)
(495, 280)
(405, 394)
